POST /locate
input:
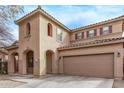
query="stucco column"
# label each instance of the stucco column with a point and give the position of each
(10, 64)
(54, 63)
(118, 65)
(42, 64)
(36, 67)
(22, 63)
(3, 57)
(20, 66)
(61, 65)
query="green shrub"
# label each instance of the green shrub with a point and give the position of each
(3, 67)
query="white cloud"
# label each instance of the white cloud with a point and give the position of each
(109, 9)
(84, 15)
(70, 18)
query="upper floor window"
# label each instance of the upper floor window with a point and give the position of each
(91, 33)
(59, 35)
(28, 29)
(49, 29)
(79, 36)
(106, 30)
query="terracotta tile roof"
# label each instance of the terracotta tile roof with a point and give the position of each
(99, 23)
(13, 46)
(3, 50)
(93, 43)
(15, 43)
(40, 10)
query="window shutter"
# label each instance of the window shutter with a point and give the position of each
(110, 29)
(101, 29)
(82, 34)
(122, 27)
(51, 30)
(76, 36)
(95, 32)
(87, 34)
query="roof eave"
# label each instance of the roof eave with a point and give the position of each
(26, 16)
(99, 23)
(12, 47)
(93, 45)
(45, 14)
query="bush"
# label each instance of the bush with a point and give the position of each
(3, 67)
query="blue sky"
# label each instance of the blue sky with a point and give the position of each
(77, 16)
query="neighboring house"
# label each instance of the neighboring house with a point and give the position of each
(3, 54)
(46, 46)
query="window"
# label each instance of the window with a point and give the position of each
(106, 30)
(28, 29)
(49, 29)
(79, 36)
(91, 33)
(59, 35)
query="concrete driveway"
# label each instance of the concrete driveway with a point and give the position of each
(62, 81)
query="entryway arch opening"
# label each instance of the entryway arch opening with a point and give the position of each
(30, 61)
(15, 57)
(49, 61)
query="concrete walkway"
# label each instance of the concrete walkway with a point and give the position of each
(118, 84)
(61, 81)
(9, 83)
(6, 82)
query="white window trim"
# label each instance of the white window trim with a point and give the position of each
(105, 30)
(79, 36)
(91, 33)
(59, 35)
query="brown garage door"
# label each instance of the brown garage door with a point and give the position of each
(101, 65)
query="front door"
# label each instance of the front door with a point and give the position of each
(30, 62)
(49, 62)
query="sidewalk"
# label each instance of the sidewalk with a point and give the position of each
(5, 82)
(118, 84)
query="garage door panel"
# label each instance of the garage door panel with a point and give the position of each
(90, 65)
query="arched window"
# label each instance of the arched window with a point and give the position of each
(28, 29)
(49, 32)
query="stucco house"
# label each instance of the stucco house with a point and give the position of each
(3, 54)
(46, 46)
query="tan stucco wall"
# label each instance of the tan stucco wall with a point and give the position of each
(11, 61)
(3, 56)
(50, 43)
(29, 43)
(116, 32)
(39, 42)
(115, 48)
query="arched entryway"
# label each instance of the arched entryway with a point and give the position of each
(15, 57)
(49, 61)
(30, 62)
